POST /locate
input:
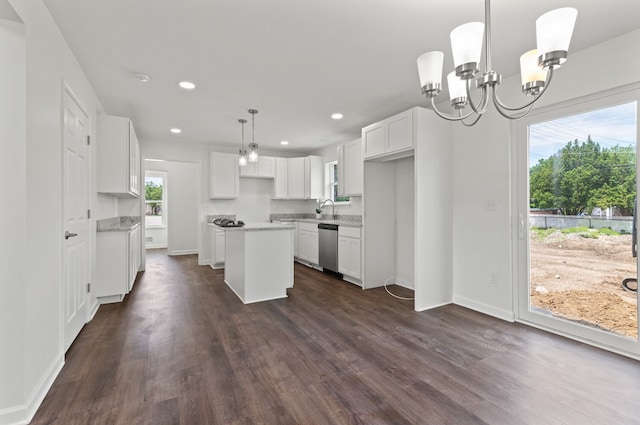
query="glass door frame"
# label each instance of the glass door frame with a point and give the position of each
(520, 218)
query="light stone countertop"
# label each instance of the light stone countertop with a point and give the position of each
(248, 227)
(118, 224)
(344, 223)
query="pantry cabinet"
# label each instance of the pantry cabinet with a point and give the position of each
(224, 180)
(119, 164)
(394, 135)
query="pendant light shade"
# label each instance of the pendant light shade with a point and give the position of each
(242, 161)
(554, 30)
(253, 146)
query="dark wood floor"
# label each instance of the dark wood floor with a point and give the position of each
(182, 349)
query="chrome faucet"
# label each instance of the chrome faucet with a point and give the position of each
(333, 207)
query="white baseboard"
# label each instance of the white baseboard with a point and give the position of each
(184, 252)
(23, 413)
(431, 307)
(155, 246)
(490, 310)
(94, 309)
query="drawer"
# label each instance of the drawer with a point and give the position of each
(311, 227)
(349, 232)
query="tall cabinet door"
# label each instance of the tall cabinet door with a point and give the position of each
(280, 181)
(374, 139)
(296, 178)
(224, 182)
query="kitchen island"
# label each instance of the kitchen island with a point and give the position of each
(259, 261)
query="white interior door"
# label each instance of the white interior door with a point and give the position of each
(76, 267)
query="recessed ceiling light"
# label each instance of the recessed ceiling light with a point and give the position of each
(143, 78)
(175, 131)
(336, 116)
(284, 142)
(187, 85)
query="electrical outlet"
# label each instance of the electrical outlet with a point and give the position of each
(493, 278)
(491, 205)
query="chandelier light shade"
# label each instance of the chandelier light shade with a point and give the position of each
(253, 146)
(554, 30)
(242, 161)
(466, 45)
(430, 68)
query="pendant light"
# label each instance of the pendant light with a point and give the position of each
(553, 31)
(243, 152)
(253, 146)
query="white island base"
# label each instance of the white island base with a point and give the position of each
(259, 261)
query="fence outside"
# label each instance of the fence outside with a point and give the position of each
(619, 224)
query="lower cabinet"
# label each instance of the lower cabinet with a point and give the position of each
(216, 247)
(308, 243)
(295, 240)
(118, 259)
(349, 258)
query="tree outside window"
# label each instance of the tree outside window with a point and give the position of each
(154, 199)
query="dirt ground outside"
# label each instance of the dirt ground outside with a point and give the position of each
(579, 278)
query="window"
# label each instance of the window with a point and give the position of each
(155, 199)
(331, 184)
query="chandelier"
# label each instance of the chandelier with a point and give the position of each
(243, 152)
(553, 34)
(253, 146)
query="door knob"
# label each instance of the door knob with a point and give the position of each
(68, 235)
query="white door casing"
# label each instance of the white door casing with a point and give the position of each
(76, 201)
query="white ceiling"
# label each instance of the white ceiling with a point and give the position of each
(296, 61)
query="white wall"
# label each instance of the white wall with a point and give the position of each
(482, 172)
(13, 224)
(49, 64)
(405, 222)
(182, 204)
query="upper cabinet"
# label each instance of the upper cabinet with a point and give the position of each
(350, 168)
(394, 135)
(118, 157)
(224, 180)
(264, 168)
(298, 178)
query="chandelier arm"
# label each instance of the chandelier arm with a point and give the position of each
(522, 114)
(496, 98)
(471, 124)
(447, 117)
(483, 99)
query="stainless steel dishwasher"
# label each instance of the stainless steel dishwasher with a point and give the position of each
(328, 247)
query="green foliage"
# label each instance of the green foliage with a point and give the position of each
(577, 229)
(153, 192)
(541, 232)
(608, 231)
(582, 176)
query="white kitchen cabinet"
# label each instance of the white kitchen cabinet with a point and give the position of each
(264, 168)
(394, 135)
(135, 255)
(308, 243)
(118, 157)
(349, 258)
(299, 178)
(224, 180)
(216, 247)
(295, 240)
(280, 182)
(350, 173)
(295, 178)
(118, 260)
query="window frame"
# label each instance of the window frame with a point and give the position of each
(163, 202)
(330, 182)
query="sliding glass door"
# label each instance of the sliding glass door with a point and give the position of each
(576, 195)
